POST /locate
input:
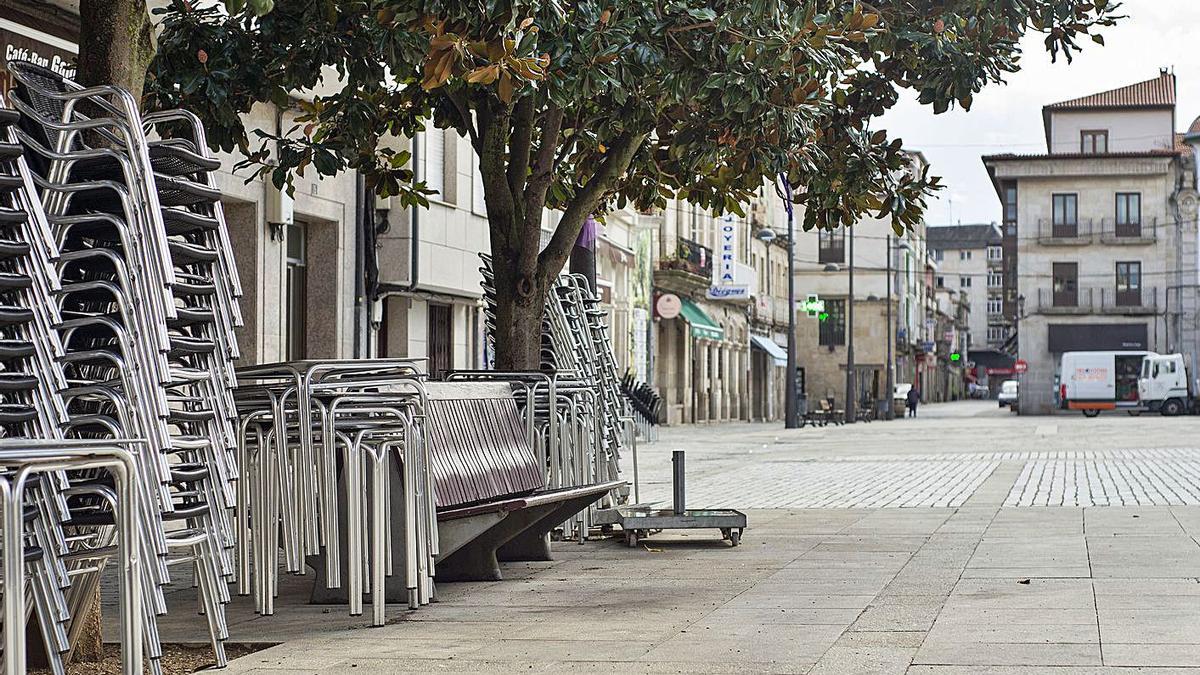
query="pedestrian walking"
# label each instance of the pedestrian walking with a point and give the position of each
(911, 401)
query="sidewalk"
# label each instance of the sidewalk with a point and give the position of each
(968, 578)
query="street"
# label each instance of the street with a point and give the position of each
(966, 540)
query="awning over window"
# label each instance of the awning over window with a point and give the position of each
(771, 348)
(703, 327)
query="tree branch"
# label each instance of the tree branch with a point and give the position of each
(494, 128)
(464, 112)
(583, 204)
(543, 164)
(520, 146)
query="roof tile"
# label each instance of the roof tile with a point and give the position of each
(1152, 93)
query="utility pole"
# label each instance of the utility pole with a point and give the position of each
(851, 399)
(890, 407)
(791, 419)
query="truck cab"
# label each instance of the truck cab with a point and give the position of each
(1165, 385)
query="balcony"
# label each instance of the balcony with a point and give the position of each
(1077, 302)
(1137, 302)
(1078, 233)
(688, 271)
(1129, 234)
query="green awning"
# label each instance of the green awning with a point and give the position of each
(703, 327)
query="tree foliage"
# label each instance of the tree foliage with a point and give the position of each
(588, 105)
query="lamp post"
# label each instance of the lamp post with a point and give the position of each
(851, 399)
(791, 417)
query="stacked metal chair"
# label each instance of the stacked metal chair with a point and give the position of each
(60, 494)
(142, 276)
(587, 421)
(317, 440)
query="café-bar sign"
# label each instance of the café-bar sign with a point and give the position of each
(22, 43)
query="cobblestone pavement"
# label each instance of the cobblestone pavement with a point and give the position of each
(1020, 545)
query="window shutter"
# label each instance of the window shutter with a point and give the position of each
(435, 160)
(478, 204)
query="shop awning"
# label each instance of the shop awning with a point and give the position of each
(770, 347)
(703, 327)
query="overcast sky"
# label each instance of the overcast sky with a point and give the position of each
(1004, 118)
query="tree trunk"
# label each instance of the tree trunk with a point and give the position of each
(116, 43)
(519, 307)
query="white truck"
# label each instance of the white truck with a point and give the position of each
(1168, 385)
(1092, 382)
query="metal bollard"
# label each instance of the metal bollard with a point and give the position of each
(677, 481)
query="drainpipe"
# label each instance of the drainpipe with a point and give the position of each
(414, 239)
(360, 269)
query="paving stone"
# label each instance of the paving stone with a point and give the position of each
(953, 652)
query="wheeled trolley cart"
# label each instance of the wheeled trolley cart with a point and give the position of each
(639, 522)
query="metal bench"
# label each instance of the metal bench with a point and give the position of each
(491, 484)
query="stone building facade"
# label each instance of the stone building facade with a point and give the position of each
(1097, 227)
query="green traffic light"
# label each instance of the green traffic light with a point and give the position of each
(823, 316)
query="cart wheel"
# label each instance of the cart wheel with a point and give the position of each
(726, 532)
(631, 539)
(735, 538)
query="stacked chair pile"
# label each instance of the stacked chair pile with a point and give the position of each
(584, 420)
(118, 270)
(337, 475)
(647, 405)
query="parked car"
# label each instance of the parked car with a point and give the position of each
(1008, 394)
(976, 390)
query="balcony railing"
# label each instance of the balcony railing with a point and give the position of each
(1100, 300)
(1076, 233)
(1136, 301)
(1078, 301)
(1131, 234)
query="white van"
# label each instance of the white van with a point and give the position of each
(1094, 381)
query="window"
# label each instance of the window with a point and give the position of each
(939, 255)
(996, 334)
(1093, 142)
(831, 246)
(1066, 216)
(995, 253)
(940, 281)
(1129, 214)
(1010, 207)
(1129, 284)
(478, 203)
(995, 305)
(963, 255)
(296, 290)
(964, 282)
(1066, 284)
(833, 324)
(441, 339)
(433, 159)
(995, 280)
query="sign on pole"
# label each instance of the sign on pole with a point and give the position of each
(1020, 366)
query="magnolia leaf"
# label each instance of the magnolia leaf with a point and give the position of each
(261, 7)
(506, 87)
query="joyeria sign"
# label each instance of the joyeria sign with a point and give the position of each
(726, 284)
